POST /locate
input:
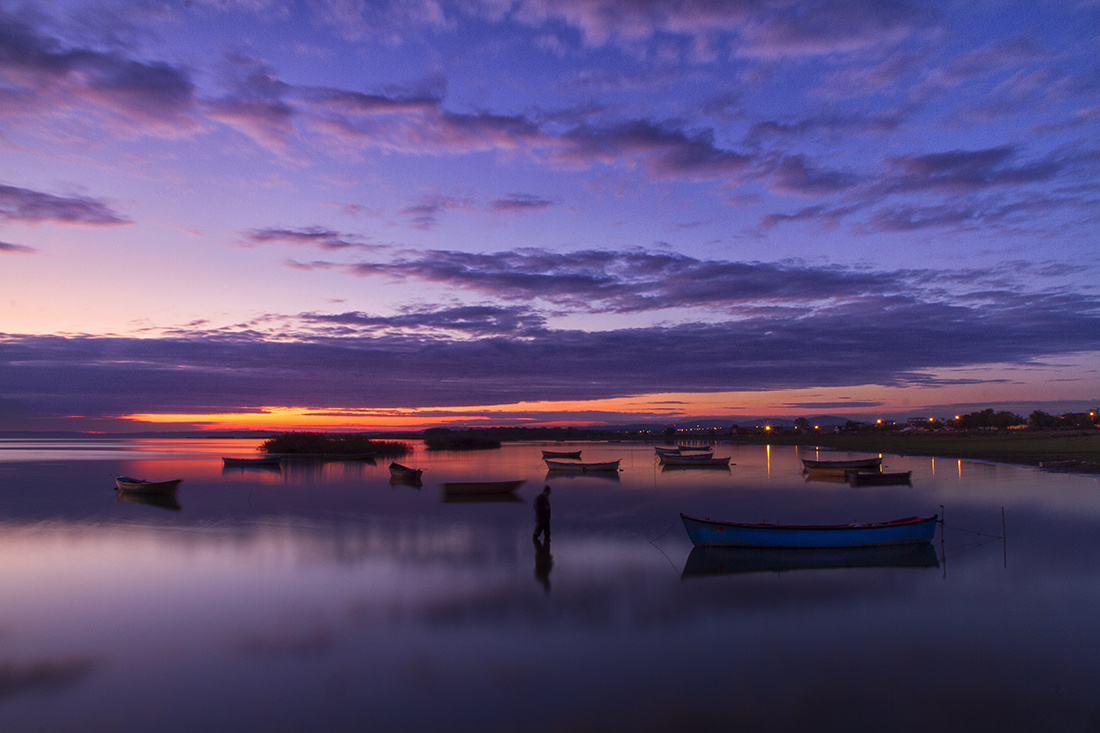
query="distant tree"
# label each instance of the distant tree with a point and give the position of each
(670, 431)
(802, 424)
(988, 418)
(1039, 419)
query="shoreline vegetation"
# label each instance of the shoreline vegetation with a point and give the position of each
(321, 445)
(1076, 451)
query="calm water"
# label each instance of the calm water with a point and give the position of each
(321, 597)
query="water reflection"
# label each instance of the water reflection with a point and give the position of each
(162, 501)
(554, 477)
(735, 560)
(324, 597)
(544, 562)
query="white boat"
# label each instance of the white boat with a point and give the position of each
(582, 467)
(141, 486)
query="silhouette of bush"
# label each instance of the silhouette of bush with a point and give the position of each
(444, 439)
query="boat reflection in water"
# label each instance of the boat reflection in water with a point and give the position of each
(503, 498)
(244, 468)
(544, 562)
(582, 477)
(162, 501)
(415, 482)
(737, 560)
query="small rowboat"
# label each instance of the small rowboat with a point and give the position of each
(877, 478)
(582, 467)
(811, 465)
(141, 486)
(404, 472)
(259, 461)
(708, 533)
(561, 454)
(467, 488)
(662, 451)
(695, 460)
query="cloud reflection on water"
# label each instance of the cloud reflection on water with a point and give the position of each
(334, 599)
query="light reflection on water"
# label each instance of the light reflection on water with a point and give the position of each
(321, 596)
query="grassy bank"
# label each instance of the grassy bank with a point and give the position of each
(1074, 450)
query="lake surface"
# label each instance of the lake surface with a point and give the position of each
(322, 597)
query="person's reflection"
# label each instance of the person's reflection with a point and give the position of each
(543, 562)
(542, 514)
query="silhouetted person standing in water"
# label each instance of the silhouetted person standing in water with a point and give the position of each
(542, 514)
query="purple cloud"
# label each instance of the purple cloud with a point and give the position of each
(22, 204)
(814, 29)
(797, 176)
(473, 320)
(424, 214)
(663, 151)
(520, 203)
(824, 347)
(9, 248)
(604, 281)
(255, 105)
(39, 73)
(963, 171)
(320, 237)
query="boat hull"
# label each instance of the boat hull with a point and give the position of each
(561, 454)
(708, 533)
(698, 461)
(811, 465)
(405, 473)
(141, 486)
(262, 461)
(861, 478)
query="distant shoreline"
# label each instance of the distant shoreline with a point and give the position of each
(1066, 450)
(1074, 451)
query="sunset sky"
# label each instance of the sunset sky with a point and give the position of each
(354, 214)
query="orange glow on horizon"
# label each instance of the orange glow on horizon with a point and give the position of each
(657, 408)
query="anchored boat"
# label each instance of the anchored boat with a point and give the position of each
(709, 533)
(141, 486)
